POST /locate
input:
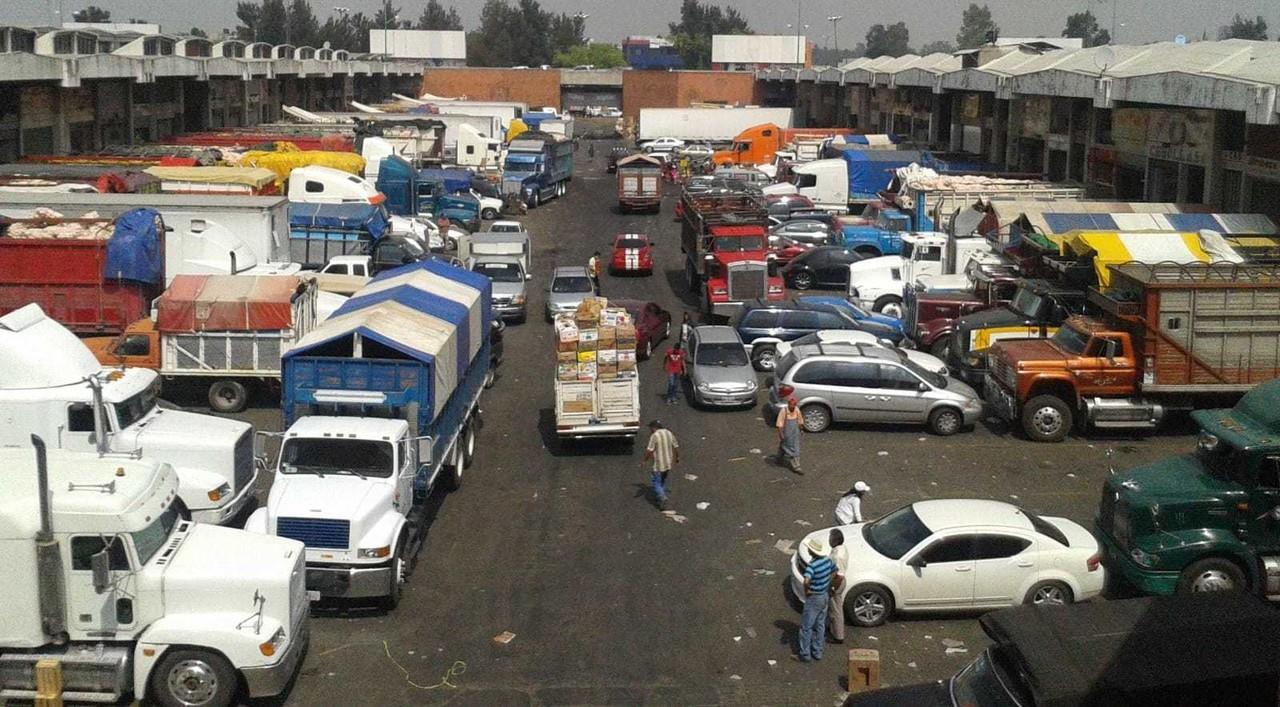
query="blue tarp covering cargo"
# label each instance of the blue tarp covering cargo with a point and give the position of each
(455, 180)
(317, 232)
(134, 251)
(871, 170)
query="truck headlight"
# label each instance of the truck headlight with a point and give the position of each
(1144, 559)
(518, 299)
(372, 552)
(1207, 442)
(217, 494)
(269, 647)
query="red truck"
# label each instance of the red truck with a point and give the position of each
(727, 258)
(94, 276)
(932, 313)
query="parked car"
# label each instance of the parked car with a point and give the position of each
(783, 204)
(653, 324)
(928, 362)
(843, 305)
(662, 144)
(508, 277)
(505, 226)
(959, 554)
(785, 249)
(720, 373)
(762, 325)
(824, 267)
(808, 231)
(569, 285)
(694, 151)
(862, 383)
(806, 214)
(632, 253)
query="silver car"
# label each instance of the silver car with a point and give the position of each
(719, 371)
(868, 383)
(811, 233)
(569, 286)
(508, 277)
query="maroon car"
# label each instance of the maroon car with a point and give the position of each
(784, 249)
(653, 324)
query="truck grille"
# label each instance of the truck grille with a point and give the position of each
(1003, 372)
(243, 460)
(316, 532)
(747, 281)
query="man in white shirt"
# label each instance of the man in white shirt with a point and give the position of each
(849, 509)
(835, 607)
(664, 451)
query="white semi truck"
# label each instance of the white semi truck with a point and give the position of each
(107, 583)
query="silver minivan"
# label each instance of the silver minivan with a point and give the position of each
(867, 383)
(719, 371)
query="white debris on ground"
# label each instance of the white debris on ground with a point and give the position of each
(787, 546)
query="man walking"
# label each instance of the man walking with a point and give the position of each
(788, 424)
(664, 451)
(593, 271)
(835, 607)
(686, 330)
(849, 509)
(819, 577)
(673, 364)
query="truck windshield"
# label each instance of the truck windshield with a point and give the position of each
(135, 407)
(500, 272)
(721, 355)
(521, 165)
(1026, 302)
(1222, 459)
(1071, 340)
(988, 683)
(737, 244)
(320, 456)
(148, 541)
(894, 534)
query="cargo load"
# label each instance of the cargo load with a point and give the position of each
(597, 384)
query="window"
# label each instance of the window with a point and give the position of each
(80, 417)
(818, 373)
(895, 378)
(337, 270)
(859, 375)
(1046, 528)
(997, 547)
(314, 187)
(762, 319)
(84, 547)
(1269, 473)
(134, 345)
(957, 549)
(831, 320)
(800, 320)
(471, 149)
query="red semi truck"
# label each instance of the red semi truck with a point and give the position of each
(727, 259)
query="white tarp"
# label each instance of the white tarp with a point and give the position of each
(440, 286)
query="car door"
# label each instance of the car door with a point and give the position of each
(760, 323)
(836, 271)
(901, 399)
(860, 394)
(939, 574)
(1001, 565)
(814, 261)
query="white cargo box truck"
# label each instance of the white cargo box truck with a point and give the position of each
(706, 124)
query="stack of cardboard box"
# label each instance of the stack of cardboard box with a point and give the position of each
(596, 341)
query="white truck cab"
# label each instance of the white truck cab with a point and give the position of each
(104, 575)
(931, 254)
(317, 184)
(51, 385)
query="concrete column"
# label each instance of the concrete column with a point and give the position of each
(1071, 132)
(61, 129)
(957, 121)
(935, 119)
(1091, 138)
(1213, 166)
(128, 112)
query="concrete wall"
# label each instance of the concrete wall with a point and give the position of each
(679, 89)
(536, 87)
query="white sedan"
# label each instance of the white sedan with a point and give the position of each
(662, 144)
(960, 554)
(842, 336)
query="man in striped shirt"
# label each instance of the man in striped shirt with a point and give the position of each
(819, 578)
(664, 450)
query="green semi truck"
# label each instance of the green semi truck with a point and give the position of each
(1207, 521)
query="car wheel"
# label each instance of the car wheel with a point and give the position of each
(945, 422)
(889, 305)
(228, 396)
(1051, 593)
(940, 348)
(764, 357)
(815, 417)
(1046, 418)
(1214, 574)
(489, 214)
(193, 678)
(868, 605)
(802, 280)
(490, 377)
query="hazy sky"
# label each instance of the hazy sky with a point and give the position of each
(610, 20)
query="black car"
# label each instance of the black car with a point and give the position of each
(822, 267)
(763, 325)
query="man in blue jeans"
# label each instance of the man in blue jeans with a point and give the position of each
(664, 450)
(819, 578)
(673, 364)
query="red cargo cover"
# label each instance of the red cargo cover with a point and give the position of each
(227, 303)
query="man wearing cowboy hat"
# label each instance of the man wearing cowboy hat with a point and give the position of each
(819, 577)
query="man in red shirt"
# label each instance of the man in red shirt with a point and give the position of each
(673, 364)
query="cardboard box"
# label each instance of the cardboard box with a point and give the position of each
(864, 670)
(607, 356)
(626, 355)
(567, 371)
(566, 357)
(613, 316)
(586, 357)
(607, 370)
(626, 333)
(608, 336)
(566, 328)
(586, 371)
(569, 346)
(589, 335)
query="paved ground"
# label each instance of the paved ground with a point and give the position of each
(612, 602)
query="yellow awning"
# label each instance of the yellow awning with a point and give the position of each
(1112, 248)
(248, 176)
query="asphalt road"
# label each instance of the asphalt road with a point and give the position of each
(612, 602)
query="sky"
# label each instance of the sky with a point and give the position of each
(1138, 21)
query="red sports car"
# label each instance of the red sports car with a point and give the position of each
(653, 324)
(632, 252)
(785, 248)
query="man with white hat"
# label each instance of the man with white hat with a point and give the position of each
(849, 509)
(819, 577)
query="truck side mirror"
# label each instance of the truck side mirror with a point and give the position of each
(100, 563)
(425, 447)
(917, 562)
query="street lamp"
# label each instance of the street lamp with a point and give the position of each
(581, 26)
(386, 47)
(835, 32)
(799, 38)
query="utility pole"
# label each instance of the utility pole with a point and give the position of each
(799, 51)
(835, 31)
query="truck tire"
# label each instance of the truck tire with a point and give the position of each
(764, 357)
(228, 396)
(395, 589)
(889, 305)
(454, 467)
(1212, 574)
(868, 251)
(940, 347)
(489, 214)
(1046, 418)
(490, 376)
(469, 443)
(193, 678)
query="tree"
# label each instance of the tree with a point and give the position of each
(1241, 28)
(301, 26)
(1084, 26)
(197, 32)
(692, 34)
(567, 32)
(92, 13)
(434, 16)
(939, 47)
(601, 56)
(263, 22)
(388, 17)
(976, 27)
(893, 40)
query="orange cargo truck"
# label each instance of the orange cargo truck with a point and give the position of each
(759, 143)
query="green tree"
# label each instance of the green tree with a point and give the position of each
(435, 16)
(976, 27)
(601, 56)
(939, 47)
(1084, 26)
(92, 13)
(263, 22)
(894, 40)
(1241, 28)
(491, 44)
(698, 22)
(197, 32)
(301, 26)
(566, 32)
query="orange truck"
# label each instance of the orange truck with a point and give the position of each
(759, 143)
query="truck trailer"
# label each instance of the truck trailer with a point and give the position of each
(706, 124)
(538, 167)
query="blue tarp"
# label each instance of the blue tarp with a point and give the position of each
(862, 139)
(1061, 223)
(454, 179)
(474, 280)
(1194, 222)
(134, 251)
(370, 218)
(870, 171)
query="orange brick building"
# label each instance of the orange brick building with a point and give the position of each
(537, 87)
(679, 89)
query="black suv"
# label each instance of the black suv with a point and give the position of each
(821, 267)
(762, 325)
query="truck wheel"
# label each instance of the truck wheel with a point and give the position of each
(1046, 418)
(228, 396)
(1214, 574)
(453, 469)
(940, 348)
(868, 605)
(815, 418)
(489, 214)
(764, 357)
(469, 445)
(802, 280)
(945, 422)
(395, 588)
(889, 305)
(690, 277)
(193, 678)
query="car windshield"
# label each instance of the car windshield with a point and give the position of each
(894, 534)
(148, 541)
(500, 272)
(571, 283)
(632, 242)
(735, 244)
(1071, 340)
(726, 354)
(136, 407)
(484, 188)
(987, 682)
(1026, 302)
(935, 379)
(320, 456)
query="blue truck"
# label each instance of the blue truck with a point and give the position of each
(414, 192)
(538, 167)
(382, 401)
(317, 232)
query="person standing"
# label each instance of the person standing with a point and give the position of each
(664, 450)
(593, 271)
(835, 607)
(788, 425)
(819, 576)
(849, 509)
(686, 330)
(673, 364)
